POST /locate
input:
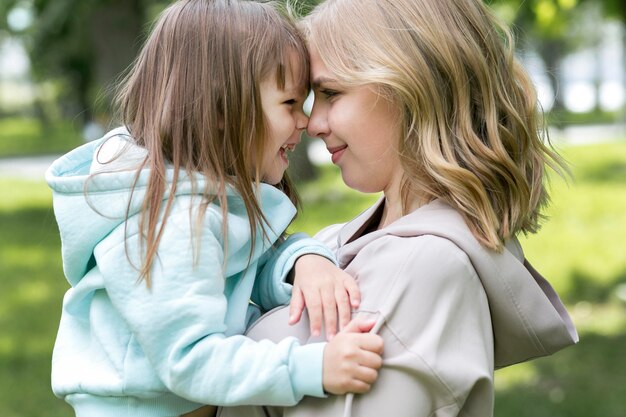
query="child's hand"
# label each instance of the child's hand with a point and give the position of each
(326, 291)
(352, 359)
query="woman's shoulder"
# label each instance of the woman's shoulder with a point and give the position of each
(420, 252)
(330, 235)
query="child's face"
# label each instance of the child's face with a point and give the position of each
(360, 128)
(286, 121)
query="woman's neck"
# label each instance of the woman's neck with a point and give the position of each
(393, 207)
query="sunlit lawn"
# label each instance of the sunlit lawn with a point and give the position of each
(580, 250)
(31, 289)
(27, 136)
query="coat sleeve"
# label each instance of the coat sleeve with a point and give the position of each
(270, 288)
(438, 338)
(179, 322)
(438, 355)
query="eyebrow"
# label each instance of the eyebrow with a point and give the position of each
(321, 80)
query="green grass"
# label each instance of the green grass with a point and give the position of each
(566, 118)
(27, 136)
(31, 290)
(580, 249)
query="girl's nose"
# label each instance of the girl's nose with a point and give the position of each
(302, 121)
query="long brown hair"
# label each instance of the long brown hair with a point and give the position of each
(473, 133)
(192, 100)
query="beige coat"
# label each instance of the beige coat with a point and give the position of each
(449, 311)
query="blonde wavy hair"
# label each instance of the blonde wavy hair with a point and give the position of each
(192, 100)
(473, 133)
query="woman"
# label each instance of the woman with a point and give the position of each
(425, 101)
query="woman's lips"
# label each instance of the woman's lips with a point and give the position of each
(337, 152)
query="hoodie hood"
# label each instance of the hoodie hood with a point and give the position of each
(89, 207)
(528, 318)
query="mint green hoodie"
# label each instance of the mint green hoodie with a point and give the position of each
(126, 350)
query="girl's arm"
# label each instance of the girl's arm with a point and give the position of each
(328, 293)
(180, 325)
(273, 286)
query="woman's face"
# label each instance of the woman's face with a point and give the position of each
(360, 129)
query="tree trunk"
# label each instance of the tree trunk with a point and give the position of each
(115, 31)
(623, 80)
(552, 56)
(597, 76)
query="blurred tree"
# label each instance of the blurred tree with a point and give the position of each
(614, 8)
(555, 28)
(617, 9)
(546, 27)
(84, 44)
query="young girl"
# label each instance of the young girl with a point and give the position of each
(425, 101)
(173, 223)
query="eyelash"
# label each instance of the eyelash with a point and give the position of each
(329, 93)
(290, 101)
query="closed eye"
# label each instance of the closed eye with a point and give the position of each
(328, 93)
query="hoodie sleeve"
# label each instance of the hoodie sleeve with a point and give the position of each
(270, 288)
(180, 323)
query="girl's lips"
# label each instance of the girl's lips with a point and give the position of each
(336, 153)
(283, 156)
(283, 151)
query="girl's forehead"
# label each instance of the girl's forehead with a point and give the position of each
(294, 82)
(296, 72)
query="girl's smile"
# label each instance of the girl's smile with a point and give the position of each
(285, 122)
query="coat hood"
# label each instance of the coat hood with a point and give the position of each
(89, 207)
(528, 318)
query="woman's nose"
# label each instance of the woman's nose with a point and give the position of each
(318, 122)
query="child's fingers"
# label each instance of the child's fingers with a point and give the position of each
(357, 386)
(359, 325)
(371, 342)
(366, 374)
(344, 309)
(330, 312)
(296, 306)
(314, 308)
(353, 291)
(370, 360)
(349, 364)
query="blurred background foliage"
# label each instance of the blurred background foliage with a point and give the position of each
(60, 61)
